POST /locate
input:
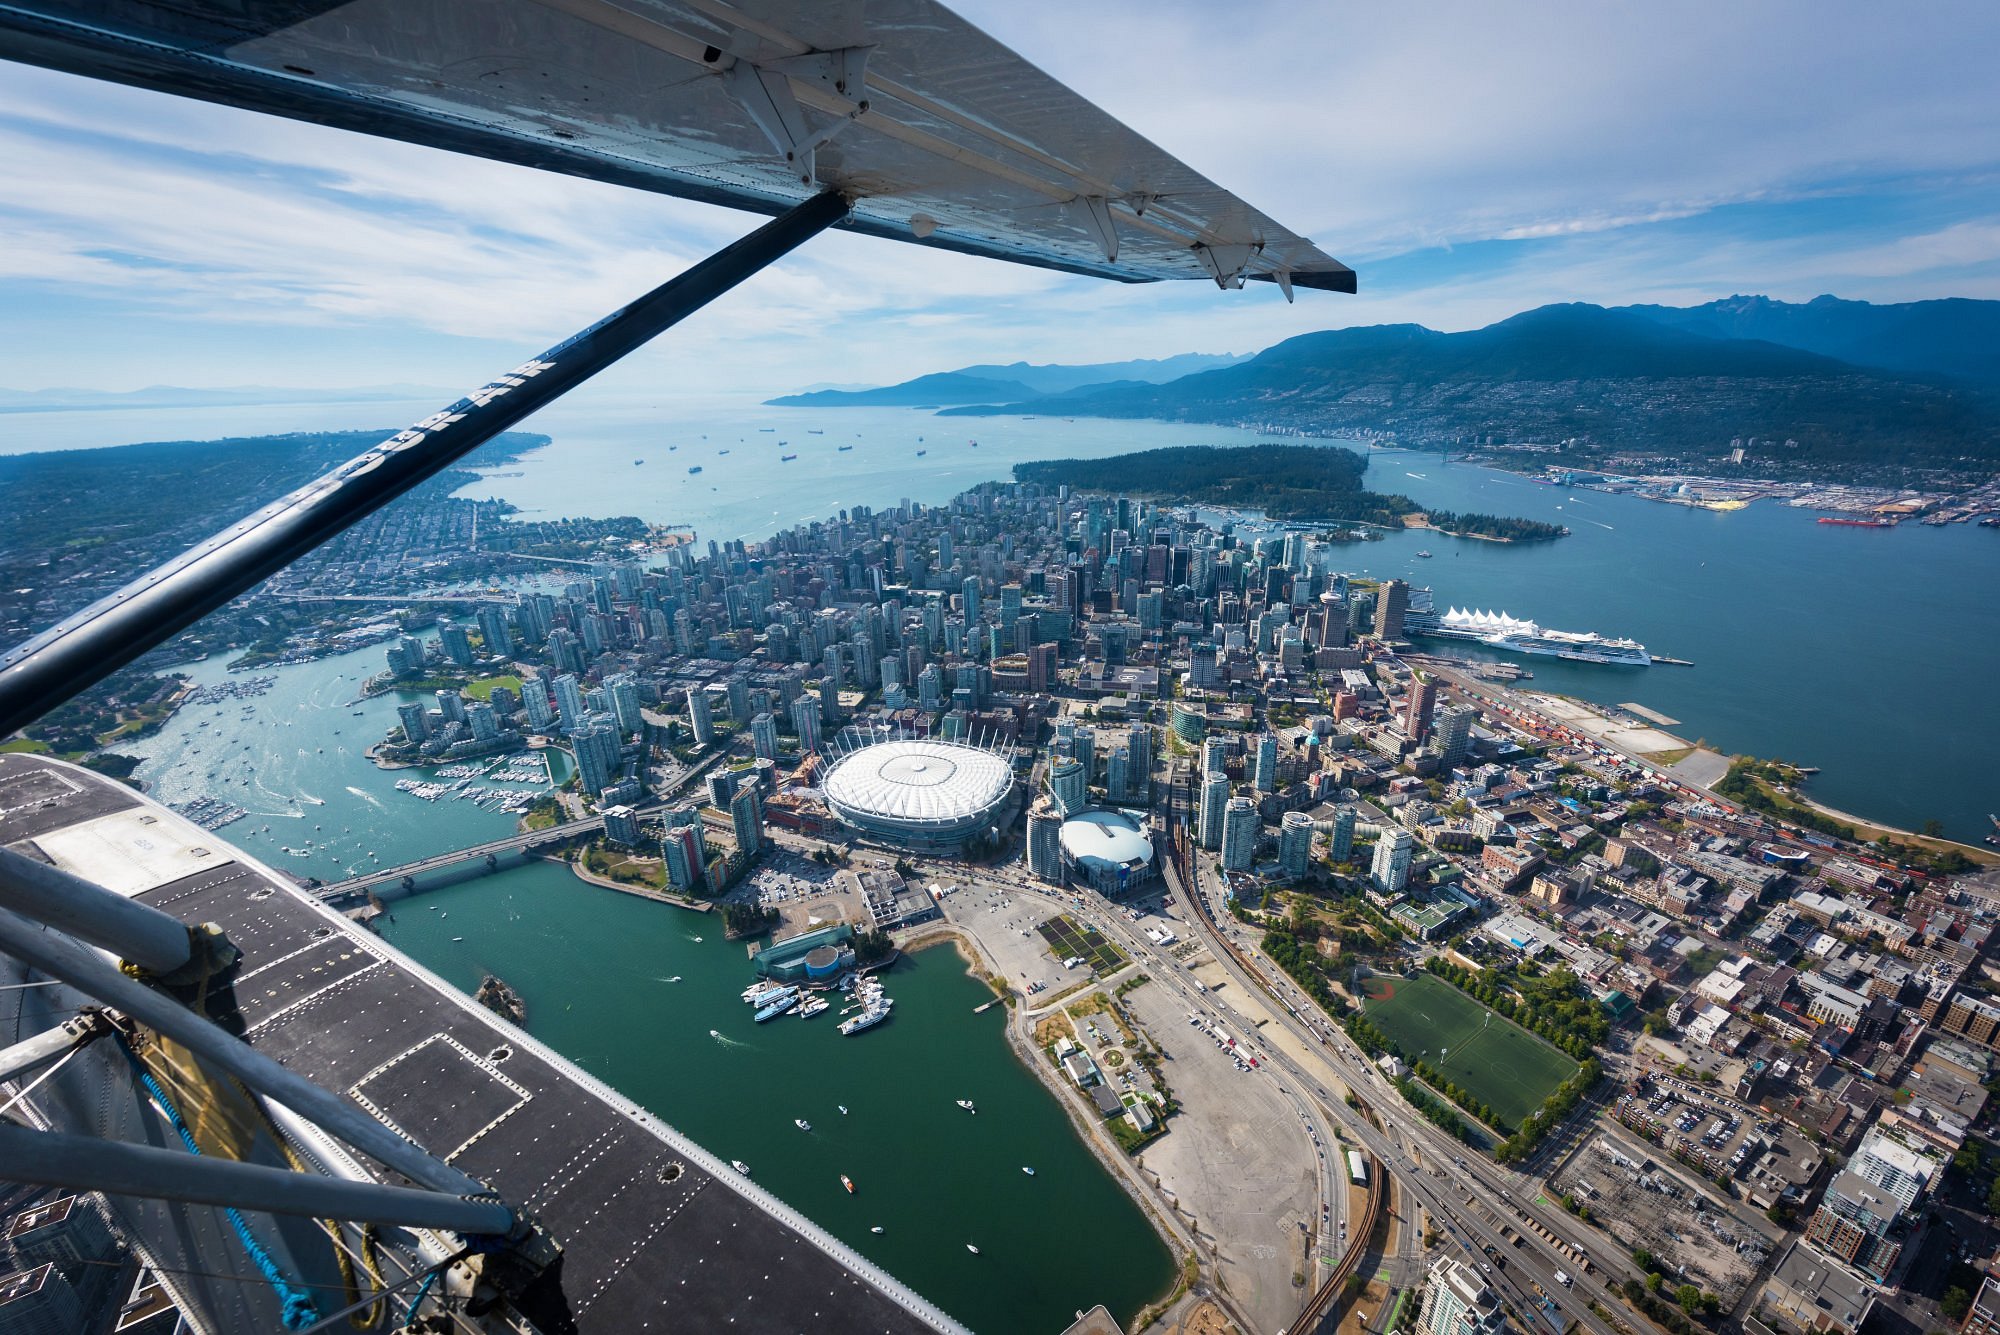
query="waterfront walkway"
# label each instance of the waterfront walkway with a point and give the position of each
(585, 874)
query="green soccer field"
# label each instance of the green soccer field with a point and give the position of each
(1502, 1064)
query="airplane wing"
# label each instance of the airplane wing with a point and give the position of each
(942, 136)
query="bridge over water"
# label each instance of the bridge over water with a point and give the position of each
(491, 850)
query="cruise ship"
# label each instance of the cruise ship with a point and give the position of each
(1497, 630)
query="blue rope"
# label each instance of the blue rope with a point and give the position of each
(299, 1308)
(418, 1301)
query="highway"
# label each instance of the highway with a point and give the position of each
(1470, 1202)
(1331, 1234)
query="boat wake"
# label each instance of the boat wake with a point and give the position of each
(725, 1040)
(1599, 522)
(365, 796)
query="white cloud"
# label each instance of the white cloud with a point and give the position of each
(1473, 159)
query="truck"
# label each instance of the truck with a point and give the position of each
(1562, 1279)
(1357, 1168)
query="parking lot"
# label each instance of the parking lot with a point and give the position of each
(1239, 1160)
(801, 890)
(1004, 926)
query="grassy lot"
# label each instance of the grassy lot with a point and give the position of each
(1069, 938)
(1502, 1064)
(483, 688)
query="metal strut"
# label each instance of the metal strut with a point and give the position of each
(85, 1163)
(110, 633)
(60, 957)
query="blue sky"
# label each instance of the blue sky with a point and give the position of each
(1470, 160)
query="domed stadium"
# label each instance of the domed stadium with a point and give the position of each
(1107, 850)
(919, 793)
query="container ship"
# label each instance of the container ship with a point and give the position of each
(1858, 523)
(1497, 630)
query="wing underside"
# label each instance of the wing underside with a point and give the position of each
(940, 134)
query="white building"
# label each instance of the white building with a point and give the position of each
(1457, 1302)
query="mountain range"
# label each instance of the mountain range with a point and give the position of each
(1824, 387)
(1010, 384)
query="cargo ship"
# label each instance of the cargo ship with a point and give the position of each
(1858, 523)
(1497, 630)
(786, 458)
(695, 469)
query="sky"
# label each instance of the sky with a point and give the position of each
(1470, 160)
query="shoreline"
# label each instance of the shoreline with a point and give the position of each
(1122, 1168)
(589, 877)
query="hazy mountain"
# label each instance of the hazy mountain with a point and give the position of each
(1058, 379)
(926, 391)
(1609, 380)
(1006, 384)
(175, 396)
(1956, 337)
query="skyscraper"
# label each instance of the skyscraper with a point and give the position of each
(701, 721)
(1391, 601)
(1295, 841)
(1391, 868)
(569, 700)
(457, 644)
(686, 853)
(1343, 835)
(805, 722)
(1417, 710)
(416, 721)
(1214, 803)
(1457, 1302)
(764, 735)
(1068, 787)
(535, 699)
(1453, 734)
(1214, 756)
(623, 688)
(746, 820)
(969, 592)
(1264, 774)
(1045, 843)
(1118, 774)
(493, 629)
(596, 756)
(1240, 827)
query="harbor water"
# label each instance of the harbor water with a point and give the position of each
(622, 986)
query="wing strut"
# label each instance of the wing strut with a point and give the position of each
(105, 636)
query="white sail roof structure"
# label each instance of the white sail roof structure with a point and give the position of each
(1487, 623)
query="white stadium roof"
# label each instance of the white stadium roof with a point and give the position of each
(1108, 837)
(917, 783)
